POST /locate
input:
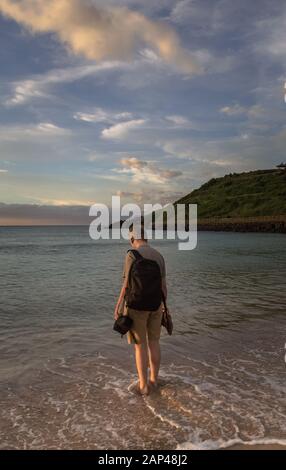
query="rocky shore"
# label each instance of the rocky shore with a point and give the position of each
(271, 224)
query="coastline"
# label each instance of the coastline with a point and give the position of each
(259, 224)
(264, 224)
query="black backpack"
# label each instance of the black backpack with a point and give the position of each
(144, 287)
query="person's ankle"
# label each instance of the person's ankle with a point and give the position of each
(142, 384)
(153, 382)
(144, 390)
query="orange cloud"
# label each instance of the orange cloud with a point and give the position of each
(100, 33)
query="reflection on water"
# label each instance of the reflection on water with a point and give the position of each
(65, 374)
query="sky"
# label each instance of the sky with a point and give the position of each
(142, 99)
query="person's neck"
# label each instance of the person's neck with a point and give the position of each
(139, 243)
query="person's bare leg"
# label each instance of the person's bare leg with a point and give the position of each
(155, 359)
(141, 357)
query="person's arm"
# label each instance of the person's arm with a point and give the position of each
(127, 265)
(120, 300)
(164, 282)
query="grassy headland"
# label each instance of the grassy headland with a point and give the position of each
(250, 201)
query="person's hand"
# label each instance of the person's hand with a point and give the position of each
(165, 310)
(116, 313)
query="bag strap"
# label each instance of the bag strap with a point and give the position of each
(164, 301)
(136, 254)
(137, 257)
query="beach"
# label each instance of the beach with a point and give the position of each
(258, 447)
(65, 375)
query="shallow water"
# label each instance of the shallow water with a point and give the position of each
(65, 374)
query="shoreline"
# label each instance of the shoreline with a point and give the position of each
(259, 224)
(263, 224)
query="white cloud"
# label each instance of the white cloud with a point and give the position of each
(65, 202)
(41, 130)
(255, 111)
(150, 56)
(145, 196)
(49, 128)
(100, 33)
(24, 90)
(271, 36)
(212, 62)
(101, 115)
(38, 86)
(179, 121)
(3, 171)
(234, 110)
(179, 148)
(121, 130)
(146, 172)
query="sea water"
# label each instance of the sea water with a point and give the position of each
(64, 373)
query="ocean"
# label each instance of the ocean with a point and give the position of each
(64, 373)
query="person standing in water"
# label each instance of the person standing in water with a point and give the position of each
(146, 313)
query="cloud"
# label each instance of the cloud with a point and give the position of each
(255, 111)
(121, 130)
(100, 33)
(216, 62)
(38, 86)
(95, 157)
(179, 148)
(143, 171)
(101, 115)
(179, 121)
(156, 196)
(234, 110)
(216, 157)
(35, 214)
(43, 129)
(187, 11)
(23, 91)
(3, 171)
(64, 202)
(271, 35)
(49, 128)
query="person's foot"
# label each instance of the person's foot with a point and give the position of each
(135, 388)
(144, 390)
(153, 384)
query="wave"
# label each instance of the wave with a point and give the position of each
(220, 444)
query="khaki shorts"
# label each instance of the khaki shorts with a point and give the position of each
(146, 325)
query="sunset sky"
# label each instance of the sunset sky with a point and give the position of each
(141, 98)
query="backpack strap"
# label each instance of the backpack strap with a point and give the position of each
(164, 300)
(136, 254)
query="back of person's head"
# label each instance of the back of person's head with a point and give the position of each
(137, 231)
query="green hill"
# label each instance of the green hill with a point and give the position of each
(252, 194)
